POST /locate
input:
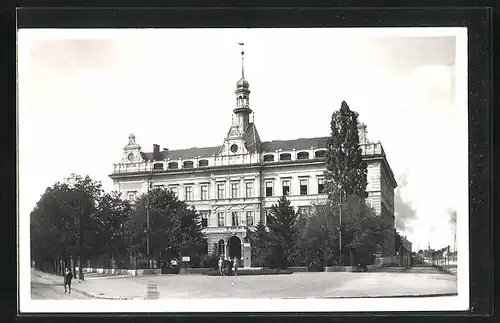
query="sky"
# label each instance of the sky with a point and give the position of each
(82, 92)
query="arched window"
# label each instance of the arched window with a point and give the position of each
(203, 163)
(173, 165)
(303, 155)
(320, 154)
(187, 164)
(268, 158)
(285, 156)
(158, 166)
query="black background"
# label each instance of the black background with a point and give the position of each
(481, 87)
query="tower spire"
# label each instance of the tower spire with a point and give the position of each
(242, 60)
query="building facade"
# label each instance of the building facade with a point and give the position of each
(233, 185)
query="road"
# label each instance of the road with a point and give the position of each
(390, 282)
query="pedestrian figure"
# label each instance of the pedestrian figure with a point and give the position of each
(68, 276)
(230, 267)
(235, 266)
(221, 266)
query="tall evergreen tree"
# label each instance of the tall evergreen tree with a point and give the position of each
(282, 224)
(260, 244)
(345, 169)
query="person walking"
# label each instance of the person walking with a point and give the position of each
(235, 266)
(68, 276)
(221, 266)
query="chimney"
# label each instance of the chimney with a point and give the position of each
(156, 152)
(362, 133)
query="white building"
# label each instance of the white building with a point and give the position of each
(233, 184)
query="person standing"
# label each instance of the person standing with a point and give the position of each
(235, 266)
(221, 266)
(230, 266)
(68, 276)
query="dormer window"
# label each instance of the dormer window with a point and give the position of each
(285, 156)
(303, 155)
(268, 158)
(187, 164)
(173, 165)
(203, 163)
(158, 166)
(320, 154)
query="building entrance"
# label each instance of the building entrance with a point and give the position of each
(234, 246)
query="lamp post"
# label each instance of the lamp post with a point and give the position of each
(147, 215)
(340, 225)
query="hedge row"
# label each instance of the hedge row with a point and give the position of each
(248, 272)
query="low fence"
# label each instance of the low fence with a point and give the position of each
(117, 271)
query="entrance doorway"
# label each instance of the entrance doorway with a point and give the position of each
(234, 246)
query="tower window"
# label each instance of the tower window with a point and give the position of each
(286, 187)
(303, 155)
(173, 165)
(187, 164)
(285, 156)
(268, 158)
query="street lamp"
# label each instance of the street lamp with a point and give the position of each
(150, 179)
(340, 225)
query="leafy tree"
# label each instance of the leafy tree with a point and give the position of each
(174, 226)
(282, 224)
(61, 221)
(346, 171)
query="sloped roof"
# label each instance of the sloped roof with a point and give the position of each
(252, 141)
(298, 144)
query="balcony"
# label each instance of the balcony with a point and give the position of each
(226, 229)
(372, 149)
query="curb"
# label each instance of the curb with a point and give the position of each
(396, 296)
(89, 294)
(446, 271)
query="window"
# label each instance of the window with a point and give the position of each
(203, 163)
(204, 219)
(249, 189)
(221, 250)
(304, 210)
(303, 187)
(220, 219)
(249, 218)
(173, 165)
(286, 187)
(303, 155)
(220, 191)
(189, 193)
(285, 157)
(269, 188)
(321, 185)
(158, 166)
(320, 154)
(235, 219)
(234, 190)
(204, 192)
(187, 164)
(268, 214)
(131, 196)
(175, 191)
(268, 158)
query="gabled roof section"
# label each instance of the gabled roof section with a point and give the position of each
(190, 153)
(251, 138)
(298, 144)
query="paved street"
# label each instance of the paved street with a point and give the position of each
(389, 282)
(42, 288)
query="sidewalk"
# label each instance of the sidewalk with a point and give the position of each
(100, 288)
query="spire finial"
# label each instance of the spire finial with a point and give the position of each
(242, 59)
